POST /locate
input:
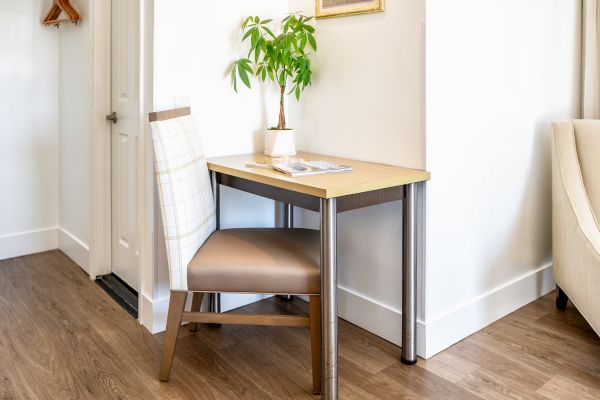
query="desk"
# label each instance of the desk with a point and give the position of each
(329, 194)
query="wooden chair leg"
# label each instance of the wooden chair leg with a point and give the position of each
(176, 306)
(196, 303)
(315, 341)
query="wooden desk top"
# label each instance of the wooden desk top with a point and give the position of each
(365, 176)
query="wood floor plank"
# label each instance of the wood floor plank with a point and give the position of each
(362, 351)
(491, 386)
(266, 361)
(376, 387)
(428, 384)
(62, 337)
(449, 367)
(545, 361)
(561, 388)
(502, 367)
(551, 344)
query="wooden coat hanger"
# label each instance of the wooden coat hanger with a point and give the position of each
(59, 7)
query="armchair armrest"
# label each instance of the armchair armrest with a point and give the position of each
(576, 232)
(570, 182)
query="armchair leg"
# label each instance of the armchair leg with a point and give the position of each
(315, 341)
(561, 300)
(196, 303)
(176, 306)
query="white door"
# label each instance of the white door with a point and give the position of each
(124, 138)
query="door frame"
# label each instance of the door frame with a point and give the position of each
(100, 188)
(101, 185)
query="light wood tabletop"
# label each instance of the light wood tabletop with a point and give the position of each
(364, 177)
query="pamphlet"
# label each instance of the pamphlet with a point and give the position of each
(303, 168)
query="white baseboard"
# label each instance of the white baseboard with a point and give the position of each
(454, 325)
(233, 301)
(433, 336)
(29, 242)
(74, 248)
(153, 313)
(375, 317)
(475, 314)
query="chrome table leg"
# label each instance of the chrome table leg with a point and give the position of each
(409, 277)
(214, 180)
(214, 303)
(288, 222)
(329, 322)
(214, 299)
(288, 216)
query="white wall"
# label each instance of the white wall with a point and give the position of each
(75, 136)
(367, 97)
(498, 72)
(29, 111)
(194, 46)
(367, 103)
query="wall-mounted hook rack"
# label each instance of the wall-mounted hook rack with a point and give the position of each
(59, 7)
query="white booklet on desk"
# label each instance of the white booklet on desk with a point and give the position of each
(304, 168)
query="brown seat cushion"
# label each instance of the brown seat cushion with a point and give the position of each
(264, 260)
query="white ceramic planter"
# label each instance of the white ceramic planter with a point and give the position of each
(280, 143)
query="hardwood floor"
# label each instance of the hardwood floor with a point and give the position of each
(62, 337)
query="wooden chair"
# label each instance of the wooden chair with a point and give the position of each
(203, 259)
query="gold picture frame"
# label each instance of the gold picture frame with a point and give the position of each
(340, 8)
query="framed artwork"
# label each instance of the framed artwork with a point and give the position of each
(337, 8)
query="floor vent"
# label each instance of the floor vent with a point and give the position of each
(121, 292)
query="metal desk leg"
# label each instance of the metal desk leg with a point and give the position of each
(288, 216)
(409, 277)
(214, 299)
(214, 303)
(329, 323)
(288, 222)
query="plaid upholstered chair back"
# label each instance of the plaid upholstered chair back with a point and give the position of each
(185, 194)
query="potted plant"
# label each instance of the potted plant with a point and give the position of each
(284, 60)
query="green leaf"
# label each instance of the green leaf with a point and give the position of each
(265, 21)
(312, 41)
(246, 21)
(297, 92)
(255, 36)
(303, 42)
(256, 20)
(233, 76)
(244, 77)
(244, 64)
(259, 48)
(268, 31)
(248, 33)
(309, 28)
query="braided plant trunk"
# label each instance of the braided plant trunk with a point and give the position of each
(281, 125)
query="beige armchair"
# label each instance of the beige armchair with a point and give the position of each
(576, 216)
